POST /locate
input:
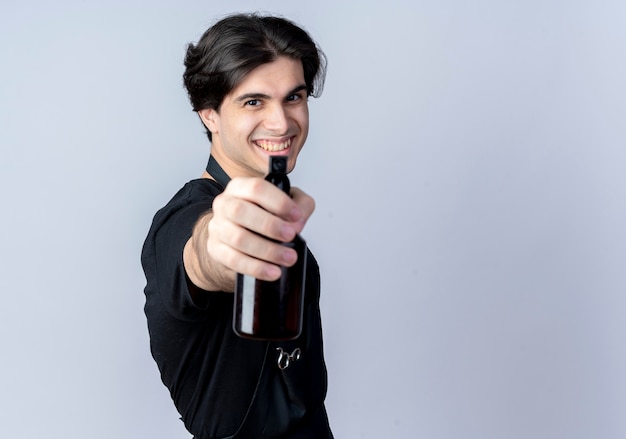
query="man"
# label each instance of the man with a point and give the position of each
(248, 78)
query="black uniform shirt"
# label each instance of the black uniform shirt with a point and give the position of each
(222, 385)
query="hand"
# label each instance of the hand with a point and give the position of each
(248, 218)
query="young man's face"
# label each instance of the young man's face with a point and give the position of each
(266, 114)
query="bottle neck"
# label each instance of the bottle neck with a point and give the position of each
(281, 181)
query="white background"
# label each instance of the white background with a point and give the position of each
(468, 162)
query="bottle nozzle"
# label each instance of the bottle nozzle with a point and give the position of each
(278, 173)
(278, 165)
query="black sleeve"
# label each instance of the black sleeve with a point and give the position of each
(162, 255)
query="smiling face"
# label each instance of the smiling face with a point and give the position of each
(266, 114)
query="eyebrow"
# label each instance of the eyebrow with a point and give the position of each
(248, 96)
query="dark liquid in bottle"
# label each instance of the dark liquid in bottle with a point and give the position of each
(272, 310)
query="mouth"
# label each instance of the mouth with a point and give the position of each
(274, 145)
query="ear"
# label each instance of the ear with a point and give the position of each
(210, 119)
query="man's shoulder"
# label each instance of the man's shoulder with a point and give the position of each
(195, 195)
(200, 188)
(194, 191)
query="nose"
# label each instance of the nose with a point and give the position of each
(277, 119)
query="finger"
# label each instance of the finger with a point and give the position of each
(239, 262)
(306, 205)
(246, 256)
(265, 195)
(304, 201)
(250, 216)
(256, 246)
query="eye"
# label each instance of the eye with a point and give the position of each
(252, 102)
(294, 97)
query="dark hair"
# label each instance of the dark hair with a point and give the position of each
(236, 45)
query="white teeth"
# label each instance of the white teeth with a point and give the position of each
(272, 146)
